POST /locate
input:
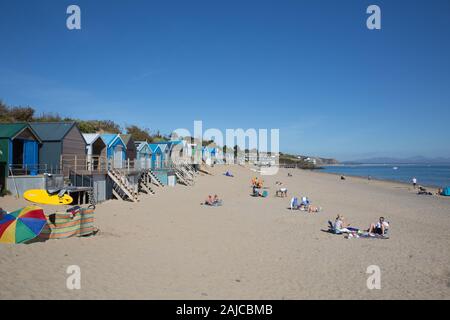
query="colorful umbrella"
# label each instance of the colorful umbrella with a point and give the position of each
(22, 225)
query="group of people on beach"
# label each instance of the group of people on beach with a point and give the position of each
(303, 205)
(257, 186)
(341, 226)
(213, 201)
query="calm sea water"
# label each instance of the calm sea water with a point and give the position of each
(426, 175)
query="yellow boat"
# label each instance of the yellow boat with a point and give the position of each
(43, 197)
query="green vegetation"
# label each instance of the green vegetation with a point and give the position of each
(288, 159)
(28, 114)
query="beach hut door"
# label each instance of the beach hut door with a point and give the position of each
(118, 157)
(30, 156)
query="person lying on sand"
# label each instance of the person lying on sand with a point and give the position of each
(380, 227)
(423, 190)
(313, 209)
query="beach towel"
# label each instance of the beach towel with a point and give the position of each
(365, 235)
(61, 225)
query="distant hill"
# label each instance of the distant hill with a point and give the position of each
(306, 161)
(411, 160)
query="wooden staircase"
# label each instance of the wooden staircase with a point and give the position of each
(154, 179)
(183, 175)
(122, 189)
(145, 183)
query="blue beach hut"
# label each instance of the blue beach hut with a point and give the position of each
(115, 149)
(143, 154)
(156, 162)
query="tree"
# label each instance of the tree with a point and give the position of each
(139, 134)
(22, 114)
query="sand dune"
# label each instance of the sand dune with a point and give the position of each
(168, 246)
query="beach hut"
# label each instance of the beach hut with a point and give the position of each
(165, 152)
(95, 150)
(157, 156)
(115, 149)
(143, 154)
(130, 146)
(61, 141)
(177, 148)
(18, 150)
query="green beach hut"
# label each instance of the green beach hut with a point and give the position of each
(19, 149)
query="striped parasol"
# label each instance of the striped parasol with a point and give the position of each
(21, 225)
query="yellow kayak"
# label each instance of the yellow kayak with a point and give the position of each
(43, 197)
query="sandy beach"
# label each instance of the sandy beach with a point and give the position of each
(168, 246)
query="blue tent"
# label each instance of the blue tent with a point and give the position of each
(446, 191)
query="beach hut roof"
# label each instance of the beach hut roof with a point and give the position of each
(110, 138)
(140, 145)
(12, 130)
(91, 137)
(154, 147)
(52, 131)
(163, 146)
(126, 138)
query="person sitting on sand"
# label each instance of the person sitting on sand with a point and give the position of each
(259, 183)
(228, 174)
(380, 227)
(216, 201)
(282, 192)
(209, 201)
(439, 192)
(340, 225)
(2, 213)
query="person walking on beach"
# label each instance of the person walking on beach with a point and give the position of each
(414, 182)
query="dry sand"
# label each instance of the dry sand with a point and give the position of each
(168, 246)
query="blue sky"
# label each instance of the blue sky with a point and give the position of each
(310, 68)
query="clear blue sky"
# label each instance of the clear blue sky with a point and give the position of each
(310, 68)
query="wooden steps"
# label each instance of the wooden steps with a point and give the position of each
(121, 187)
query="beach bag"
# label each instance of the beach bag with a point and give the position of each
(446, 191)
(61, 225)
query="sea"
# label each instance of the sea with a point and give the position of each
(426, 175)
